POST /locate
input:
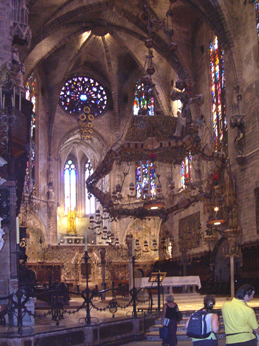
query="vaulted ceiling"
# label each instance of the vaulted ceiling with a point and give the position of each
(106, 40)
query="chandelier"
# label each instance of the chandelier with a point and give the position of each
(152, 138)
(98, 225)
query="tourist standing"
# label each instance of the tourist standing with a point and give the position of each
(170, 312)
(212, 324)
(240, 320)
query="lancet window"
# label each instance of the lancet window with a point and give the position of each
(186, 171)
(143, 99)
(90, 199)
(218, 88)
(145, 180)
(30, 95)
(70, 179)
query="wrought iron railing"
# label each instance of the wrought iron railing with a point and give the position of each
(58, 301)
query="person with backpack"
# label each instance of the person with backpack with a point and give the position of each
(241, 326)
(170, 316)
(203, 324)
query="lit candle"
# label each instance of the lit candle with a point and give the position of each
(85, 241)
(132, 248)
(17, 231)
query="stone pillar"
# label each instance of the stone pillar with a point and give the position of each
(103, 262)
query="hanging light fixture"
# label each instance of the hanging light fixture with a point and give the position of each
(136, 147)
(216, 218)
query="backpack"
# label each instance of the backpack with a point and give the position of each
(199, 325)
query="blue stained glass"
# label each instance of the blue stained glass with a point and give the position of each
(143, 99)
(145, 180)
(70, 186)
(83, 97)
(80, 92)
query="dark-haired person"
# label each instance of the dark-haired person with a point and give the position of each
(211, 340)
(170, 311)
(239, 319)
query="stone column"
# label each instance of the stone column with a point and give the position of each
(103, 262)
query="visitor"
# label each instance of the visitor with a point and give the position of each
(212, 320)
(171, 312)
(240, 320)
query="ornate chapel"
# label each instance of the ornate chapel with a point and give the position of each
(129, 128)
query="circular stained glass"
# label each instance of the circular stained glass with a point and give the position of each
(80, 92)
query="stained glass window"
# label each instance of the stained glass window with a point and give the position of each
(186, 171)
(257, 17)
(30, 95)
(90, 199)
(145, 180)
(80, 92)
(143, 99)
(70, 186)
(218, 88)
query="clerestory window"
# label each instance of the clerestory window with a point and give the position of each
(218, 95)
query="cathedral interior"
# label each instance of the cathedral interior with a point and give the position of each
(129, 128)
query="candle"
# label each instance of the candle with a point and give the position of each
(4, 101)
(85, 241)
(17, 231)
(132, 248)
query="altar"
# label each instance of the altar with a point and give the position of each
(170, 282)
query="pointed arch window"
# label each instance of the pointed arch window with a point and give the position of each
(90, 199)
(218, 90)
(145, 180)
(30, 95)
(143, 98)
(70, 178)
(186, 171)
(257, 17)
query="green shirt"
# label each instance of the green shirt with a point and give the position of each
(239, 318)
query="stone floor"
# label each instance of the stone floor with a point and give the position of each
(45, 324)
